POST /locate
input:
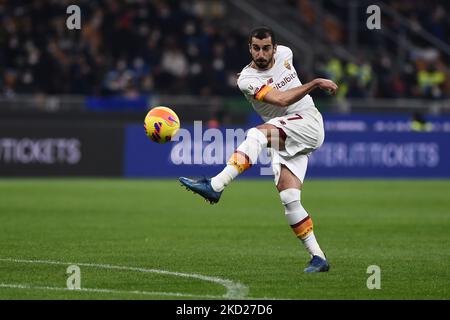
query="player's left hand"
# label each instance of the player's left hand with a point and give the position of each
(327, 85)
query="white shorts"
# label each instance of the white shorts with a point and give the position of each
(304, 134)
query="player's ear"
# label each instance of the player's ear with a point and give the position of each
(275, 48)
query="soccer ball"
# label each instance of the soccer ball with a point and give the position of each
(161, 124)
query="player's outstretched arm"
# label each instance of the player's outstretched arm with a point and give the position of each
(288, 97)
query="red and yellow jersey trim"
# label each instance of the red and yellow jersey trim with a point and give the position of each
(259, 95)
(303, 228)
(240, 161)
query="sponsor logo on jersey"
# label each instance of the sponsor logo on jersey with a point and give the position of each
(286, 80)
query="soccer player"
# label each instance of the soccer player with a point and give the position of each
(293, 129)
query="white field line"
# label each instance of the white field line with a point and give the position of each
(150, 293)
(235, 290)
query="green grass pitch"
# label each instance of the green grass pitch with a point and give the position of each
(151, 239)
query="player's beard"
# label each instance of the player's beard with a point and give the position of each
(263, 63)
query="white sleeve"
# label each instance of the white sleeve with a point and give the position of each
(250, 85)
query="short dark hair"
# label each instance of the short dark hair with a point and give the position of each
(262, 33)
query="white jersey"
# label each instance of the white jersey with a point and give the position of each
(282, 76)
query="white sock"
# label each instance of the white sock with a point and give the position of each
(220, 181)
(312, 246)
(295, 213)
(251, 147)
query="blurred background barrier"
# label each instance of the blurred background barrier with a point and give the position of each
(60, 148)
(383, 155)
(357, 146)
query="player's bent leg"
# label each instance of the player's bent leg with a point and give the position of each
(276, 137)
(301, 223)
(245, 155)
(242, 159)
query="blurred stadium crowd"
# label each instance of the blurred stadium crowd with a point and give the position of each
(123, 47)
(176, 47)
(376, 71)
